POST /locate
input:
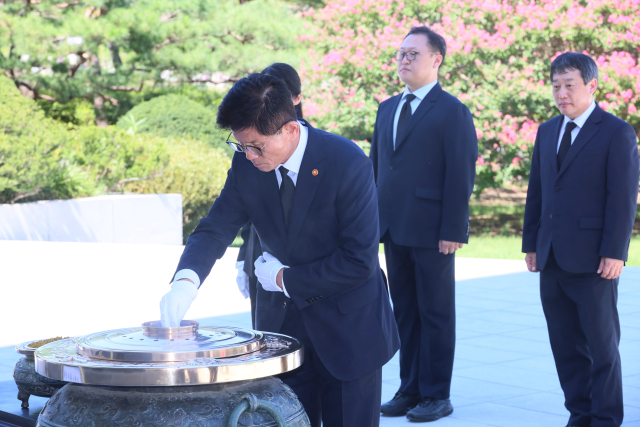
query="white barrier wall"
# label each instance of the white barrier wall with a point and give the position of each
(139, 218)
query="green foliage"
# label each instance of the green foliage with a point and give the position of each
(111, 157)
(42, 159)
(175, 115)
(197, 171)
(77, 112)
(209, 97)
(103, 51)
(31, 150)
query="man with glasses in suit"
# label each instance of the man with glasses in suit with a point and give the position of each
(312, 199)
(424, 150)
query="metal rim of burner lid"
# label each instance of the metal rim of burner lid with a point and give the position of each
(153, 343)
(59, 360)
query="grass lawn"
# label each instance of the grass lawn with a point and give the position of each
(509, 247)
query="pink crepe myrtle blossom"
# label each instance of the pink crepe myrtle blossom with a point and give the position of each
(497, 65)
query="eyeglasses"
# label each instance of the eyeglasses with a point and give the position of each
(411, 55)
(240, 148)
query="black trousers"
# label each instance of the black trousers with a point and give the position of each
(422, 287)
(327, 400)
(584, 330)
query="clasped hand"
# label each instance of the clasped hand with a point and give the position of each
(447, 247)
(609, 268)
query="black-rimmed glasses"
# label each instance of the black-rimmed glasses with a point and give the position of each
(411, 55)
(244, 148)
(240, 148)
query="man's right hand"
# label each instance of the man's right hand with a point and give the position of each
(532, 262)
(175, 303)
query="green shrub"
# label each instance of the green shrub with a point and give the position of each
(175, 115)
(31, 152)
(42, 159)
(197, 171)
(77, 111)
(112, 157)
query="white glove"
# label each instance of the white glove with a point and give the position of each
(267, 268)
(242, 279)
(175, 303)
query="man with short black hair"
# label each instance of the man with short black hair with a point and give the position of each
(311, 197)
(581, 206)
(424, 150)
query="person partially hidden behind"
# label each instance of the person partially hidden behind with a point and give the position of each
(580, 210)
(250, 249)
(312, 199)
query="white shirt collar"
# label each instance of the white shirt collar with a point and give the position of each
(420, 93)
(294, 162)
(582, 118)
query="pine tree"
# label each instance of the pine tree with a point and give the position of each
(58, 50)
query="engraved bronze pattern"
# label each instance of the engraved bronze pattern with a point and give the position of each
(202, 406)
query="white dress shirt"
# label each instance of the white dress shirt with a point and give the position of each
(420, 95)
(294, 162)
(579, 121)
(293, 165)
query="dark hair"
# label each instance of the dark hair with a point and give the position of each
(435, 40)
(289, 75)
(570, 61)
(258, 101)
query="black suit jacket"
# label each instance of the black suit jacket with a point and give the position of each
(425, 184)
(588, 207)
(331, 247)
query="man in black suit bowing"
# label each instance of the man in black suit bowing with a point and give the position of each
(581, 206)
(312, 199)
(424, 150)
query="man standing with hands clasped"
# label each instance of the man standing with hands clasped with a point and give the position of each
(312, 199)
(424, 150)
(581, 206)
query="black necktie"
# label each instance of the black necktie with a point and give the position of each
(287, 188)
(405, 116)
(565, 144)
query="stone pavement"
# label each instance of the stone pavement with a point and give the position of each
(504, 373)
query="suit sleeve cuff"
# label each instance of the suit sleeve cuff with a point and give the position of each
(187, 274)
(283, 287)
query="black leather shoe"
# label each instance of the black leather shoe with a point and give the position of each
(430, 410)
(400, 404)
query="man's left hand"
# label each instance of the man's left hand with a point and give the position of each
(610, 268)
(269, 272)
(447, 247)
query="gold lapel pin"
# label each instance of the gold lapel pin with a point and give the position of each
(314, 172)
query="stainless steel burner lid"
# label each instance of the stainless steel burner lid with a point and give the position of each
(153, 343)
(154, 356)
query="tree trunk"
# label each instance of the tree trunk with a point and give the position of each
(26, 91)
(115, 55)
(98, 106)
(98, 99)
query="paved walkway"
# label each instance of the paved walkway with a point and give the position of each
(503, 374)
